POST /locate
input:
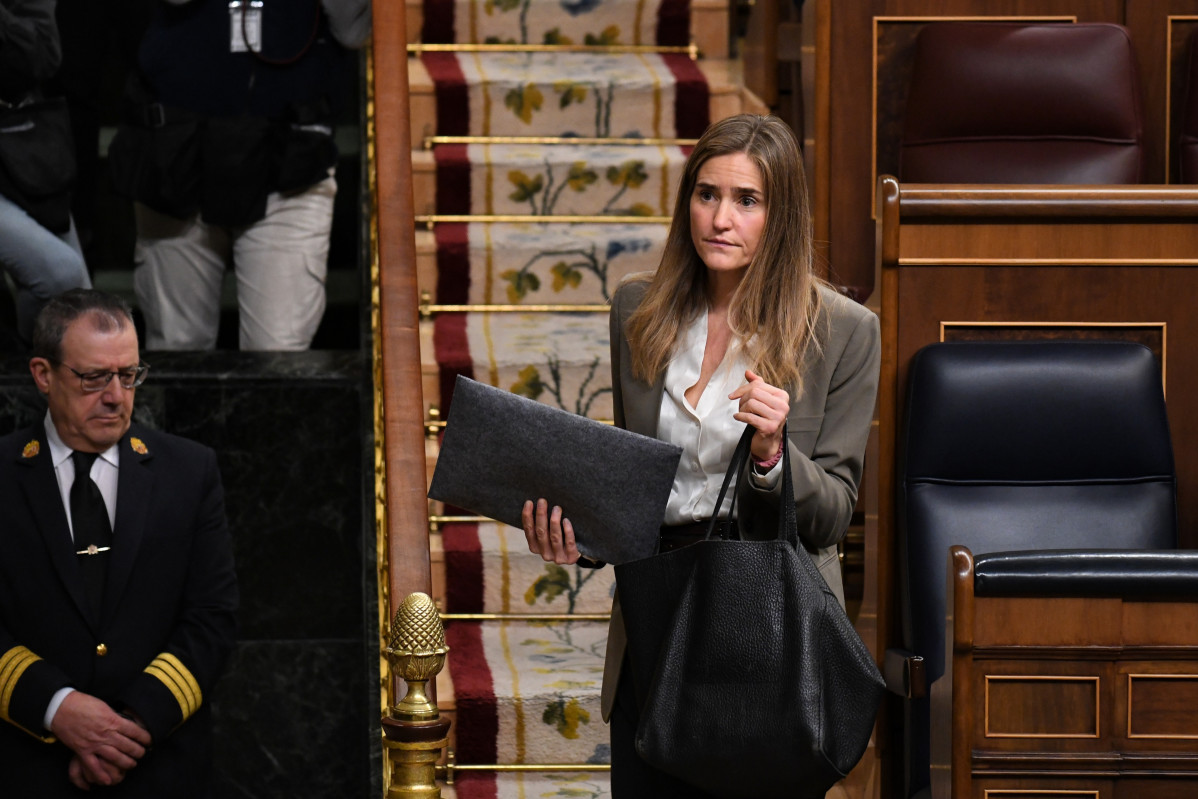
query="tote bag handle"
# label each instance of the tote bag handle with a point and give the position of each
(787, 520)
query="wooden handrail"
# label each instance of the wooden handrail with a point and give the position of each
(396, 326)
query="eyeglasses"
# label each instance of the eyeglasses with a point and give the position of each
(130, 378)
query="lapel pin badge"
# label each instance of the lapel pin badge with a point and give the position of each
(138, 445)
(31, 449)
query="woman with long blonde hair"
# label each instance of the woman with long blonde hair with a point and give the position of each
(734, 328)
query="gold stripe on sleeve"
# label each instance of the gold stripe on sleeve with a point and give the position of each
(189, 680)
(13, 664)
(171, 672)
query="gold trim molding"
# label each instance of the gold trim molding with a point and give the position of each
(998, 793)
(1079, 678)
(912, 261)
(1131, 678)
(1168, 148)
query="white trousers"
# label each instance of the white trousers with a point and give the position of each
(280, 261)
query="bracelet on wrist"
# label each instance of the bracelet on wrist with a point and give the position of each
(766, 465)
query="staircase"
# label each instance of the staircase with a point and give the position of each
(549, 136)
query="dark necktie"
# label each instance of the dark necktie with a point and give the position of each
(93, 532)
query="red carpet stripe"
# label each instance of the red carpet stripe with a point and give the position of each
(438, 22)
(453, 103)
(453, 263)
(464, 568)
(673, 23)
(452, 352)
(453, 176)
(691, 113)
(477, 785)
(477, 721)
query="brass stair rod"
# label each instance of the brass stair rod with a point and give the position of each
(432, 308)
(434, 424)
(428, 308)
(527, 767)
(431, 141)
(603, 617)
(431, 220)
(450, 767)
(691, 50)
(434, 519)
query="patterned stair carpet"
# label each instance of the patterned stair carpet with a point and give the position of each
(561, 359)
(568, 94)
(527, 691)
(563, 179)
(540, 263)
(493, 572)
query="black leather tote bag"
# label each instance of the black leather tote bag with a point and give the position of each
(750, 678)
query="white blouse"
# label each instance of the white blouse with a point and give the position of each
(707, 433)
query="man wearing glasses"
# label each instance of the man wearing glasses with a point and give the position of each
(117, 590)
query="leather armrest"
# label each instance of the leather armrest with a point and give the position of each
(1144, 573)
(904, 674)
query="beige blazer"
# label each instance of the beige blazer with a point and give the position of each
(827, 429)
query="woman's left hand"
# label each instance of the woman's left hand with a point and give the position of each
(765, 407)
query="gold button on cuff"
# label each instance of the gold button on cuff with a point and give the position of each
(101, 650)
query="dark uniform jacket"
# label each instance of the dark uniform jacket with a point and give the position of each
(165, 630)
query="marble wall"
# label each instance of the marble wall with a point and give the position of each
(297, 713)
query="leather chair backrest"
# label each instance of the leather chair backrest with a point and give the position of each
(1027, 445)
(994, 102)
(1187, 150)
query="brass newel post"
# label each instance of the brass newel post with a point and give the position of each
(415, 732)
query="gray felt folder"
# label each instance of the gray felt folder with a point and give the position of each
(501, 449)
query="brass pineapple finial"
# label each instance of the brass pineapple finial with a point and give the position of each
(416, 651)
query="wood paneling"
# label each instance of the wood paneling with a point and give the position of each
(992, 261)
(1162, 706)
(1065, 713)
(1034, 706)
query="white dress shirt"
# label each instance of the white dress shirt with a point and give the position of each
(104, 474)
(707, 433)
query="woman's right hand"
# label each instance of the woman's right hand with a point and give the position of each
(548, 534)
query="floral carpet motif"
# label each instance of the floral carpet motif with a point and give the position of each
(505, 578)
(560, 359)
(541, 263)
(559, 179)
(532, 691)
(568, 94)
